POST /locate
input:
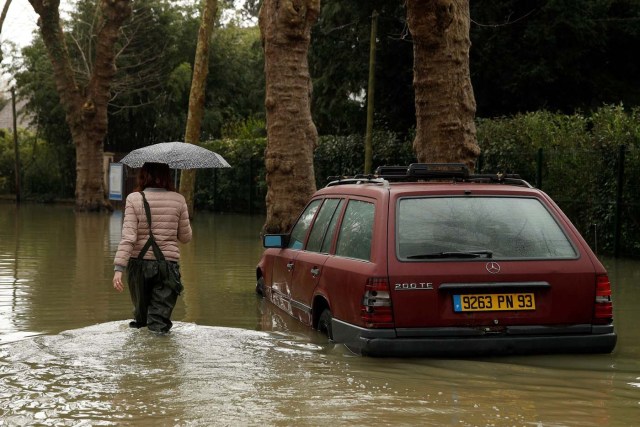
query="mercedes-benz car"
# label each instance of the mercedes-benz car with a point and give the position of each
(431, 260)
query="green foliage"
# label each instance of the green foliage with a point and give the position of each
(172, 122)
(242, 187)
(558, 55)
(579, 165)
(344, 155)
(49, 176)
(510, 145)
(35, 83)
(339, 67)
(150, 93)
(154, 75)
(245, 129)
(7, 163)
(45, 170)
(235, 85)
(528, 55)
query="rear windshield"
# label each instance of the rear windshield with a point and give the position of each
(478, 227)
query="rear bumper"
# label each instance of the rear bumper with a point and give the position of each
(463, 342)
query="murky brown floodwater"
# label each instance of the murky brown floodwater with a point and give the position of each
(67, 356)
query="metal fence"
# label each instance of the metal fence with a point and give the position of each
(597, 188)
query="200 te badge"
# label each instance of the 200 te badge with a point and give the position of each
(413, 286)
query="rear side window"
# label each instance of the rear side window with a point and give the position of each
(508, 227)
(299, 231)
(324, 222)
(356, 231)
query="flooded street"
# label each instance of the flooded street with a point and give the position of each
(68, 357)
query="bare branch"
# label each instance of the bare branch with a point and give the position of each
(85, 61)
(3, 16)
(117, 108)
(507, 22)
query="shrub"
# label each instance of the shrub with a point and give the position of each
(578, 167)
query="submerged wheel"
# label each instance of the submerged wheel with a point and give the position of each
(260, 286)
(324, 323)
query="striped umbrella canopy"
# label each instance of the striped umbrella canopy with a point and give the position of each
(178, 155)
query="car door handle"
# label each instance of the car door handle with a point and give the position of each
(315, 271)
(290, 265)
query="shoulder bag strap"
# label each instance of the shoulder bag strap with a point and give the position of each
(152, 241)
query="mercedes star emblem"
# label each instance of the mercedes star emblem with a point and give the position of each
(493, 267)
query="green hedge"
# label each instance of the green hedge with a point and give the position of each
(242, 187)
(580, 161)
(47, 171)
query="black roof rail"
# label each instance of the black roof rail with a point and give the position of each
(509, 178)
(356, 179)
(391, 171)
(416, 172)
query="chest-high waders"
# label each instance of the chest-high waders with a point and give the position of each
(154, 285)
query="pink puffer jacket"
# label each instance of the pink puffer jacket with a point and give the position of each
(169, 222)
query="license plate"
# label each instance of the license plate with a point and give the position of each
(494, 302)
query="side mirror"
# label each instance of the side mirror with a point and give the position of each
(274, 241)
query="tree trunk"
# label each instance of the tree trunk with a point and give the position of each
(86, 106)
(285, 26)
(445, 105)
(196, 96)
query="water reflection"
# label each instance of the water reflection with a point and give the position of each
(55, 259)
(203, 375)
(625, 279)
(232, 359)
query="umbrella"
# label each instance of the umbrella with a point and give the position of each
(178, 155)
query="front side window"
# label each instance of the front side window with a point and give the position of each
(497, 227)
(325, 219)
(299, 231)
(356, 231)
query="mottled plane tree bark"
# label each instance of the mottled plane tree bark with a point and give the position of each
(445, 104)
(85, 104)
(196, 95)
(285, 26)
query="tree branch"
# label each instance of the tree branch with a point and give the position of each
(3, 16)
(53, 37)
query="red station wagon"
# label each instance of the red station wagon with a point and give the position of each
(429, 260)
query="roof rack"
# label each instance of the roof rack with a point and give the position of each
(356, 179)
(500, 178)
(417, 172)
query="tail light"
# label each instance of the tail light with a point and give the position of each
(376, 304)
(603, 308)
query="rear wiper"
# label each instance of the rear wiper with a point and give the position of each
(456, 254)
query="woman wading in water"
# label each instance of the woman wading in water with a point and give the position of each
(156, 220)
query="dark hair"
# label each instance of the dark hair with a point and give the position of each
(155, 175)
